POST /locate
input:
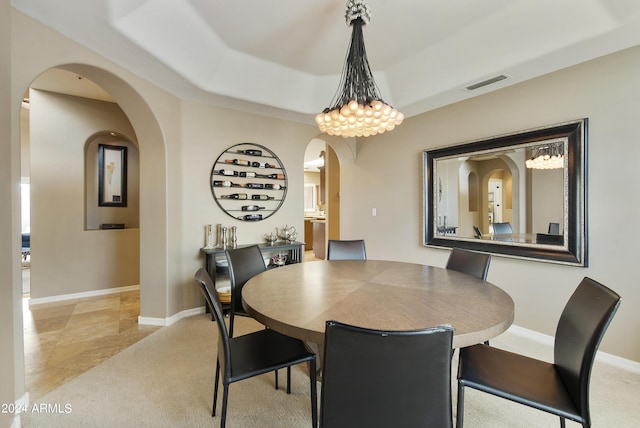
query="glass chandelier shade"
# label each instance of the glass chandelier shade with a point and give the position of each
(549, 156)
(357, 109)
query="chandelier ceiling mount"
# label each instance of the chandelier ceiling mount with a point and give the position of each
(357, 109)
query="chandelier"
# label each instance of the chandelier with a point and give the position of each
(357, 110)
(549, 156)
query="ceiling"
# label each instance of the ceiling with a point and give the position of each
(283, 57)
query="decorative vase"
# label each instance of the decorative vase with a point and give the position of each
(218, 235)
(208, 236)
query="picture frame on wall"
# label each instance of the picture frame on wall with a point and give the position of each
(112, 176)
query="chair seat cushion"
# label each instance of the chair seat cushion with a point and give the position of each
(516, 377)
(264, 351)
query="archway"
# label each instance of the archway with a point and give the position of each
(323, 221)
(153, 212)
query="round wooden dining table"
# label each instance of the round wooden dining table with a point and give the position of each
(298, 299)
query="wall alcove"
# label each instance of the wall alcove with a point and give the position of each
(96, 215)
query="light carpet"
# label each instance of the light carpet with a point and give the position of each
(166, 380)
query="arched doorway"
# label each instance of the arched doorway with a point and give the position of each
(153, 178)
(78, 233)
(324, 157)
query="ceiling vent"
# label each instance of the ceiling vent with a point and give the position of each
(487, 82)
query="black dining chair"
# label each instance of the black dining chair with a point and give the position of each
(502, 228)
(244, 264)
(561, 387)
(252, 354)
(471, 263)
(346, 249)
(477, 232)
(374, 378)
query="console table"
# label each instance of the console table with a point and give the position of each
(295, 254)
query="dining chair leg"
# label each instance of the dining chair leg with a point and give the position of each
(289, 380)
(314, 393)
(225, 396)
(562, 423)
(460, 408)
(215, 388)
(276, 379)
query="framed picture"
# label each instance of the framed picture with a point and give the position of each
(112, 176)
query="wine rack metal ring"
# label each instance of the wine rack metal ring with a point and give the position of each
(248, 182)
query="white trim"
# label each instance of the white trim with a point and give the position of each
(21, 403)
(163, 322)
(73, 296)
(602, 357)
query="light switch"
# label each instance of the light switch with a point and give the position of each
(374, 212)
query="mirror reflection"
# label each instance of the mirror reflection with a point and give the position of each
(496, 196)
(520, 195)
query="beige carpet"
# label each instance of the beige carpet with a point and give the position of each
(166, 380)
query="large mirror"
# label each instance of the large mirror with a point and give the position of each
(519, 195)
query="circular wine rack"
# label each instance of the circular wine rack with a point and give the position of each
(248, 182)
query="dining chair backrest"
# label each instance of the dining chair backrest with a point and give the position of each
(477, 232)
(386, 378)
(469, 262)
(244, 264)
(346, 249)
(208, 290)
(580, 329)
(554, 229)
(502, 228)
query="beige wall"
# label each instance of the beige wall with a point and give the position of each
(607, 91)
(67, 258)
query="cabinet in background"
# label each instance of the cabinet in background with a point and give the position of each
(319, 234)
(308, 234)
(294, 251)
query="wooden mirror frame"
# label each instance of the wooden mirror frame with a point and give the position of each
(574, 249)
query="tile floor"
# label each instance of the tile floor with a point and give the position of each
(64, 339)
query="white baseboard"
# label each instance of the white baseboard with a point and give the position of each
(141, 320)
(84, 294)
(603, 357)
(163, 322)
(21, 403)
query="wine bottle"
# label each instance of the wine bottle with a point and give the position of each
(238, 162)
(262, 165)
(252, 208)
(261, 197)
(247, 174)
(251, 217)
(254, 185)
(225, 183)
(234, 196)
(228, 172)
(276, 176)
(251, 152)
(273, 186)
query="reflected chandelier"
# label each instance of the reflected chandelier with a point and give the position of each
(357, 110)
(550, 156)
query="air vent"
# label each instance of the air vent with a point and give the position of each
(487, 82)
